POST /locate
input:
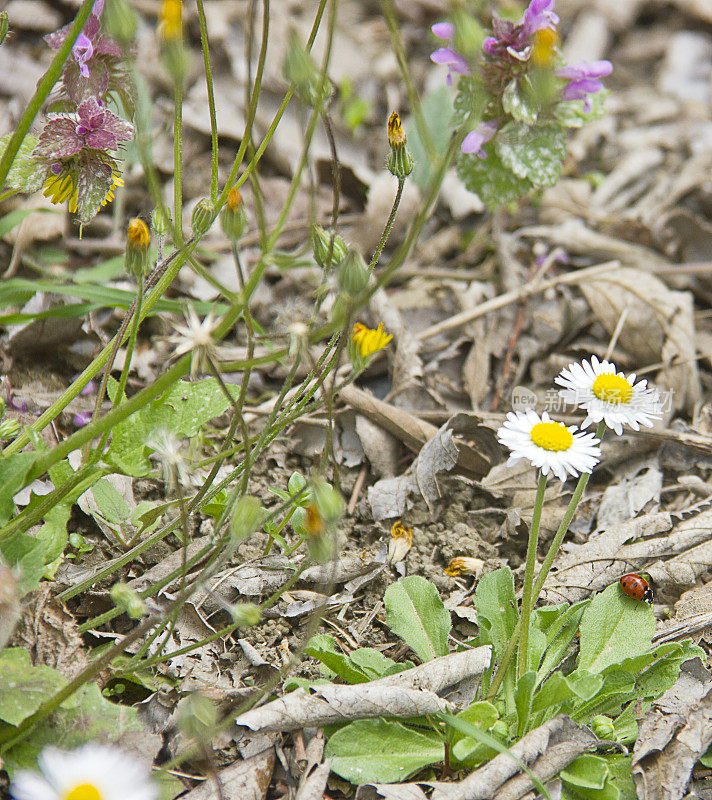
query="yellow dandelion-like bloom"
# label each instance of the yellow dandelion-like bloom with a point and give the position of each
(400, 543)
(65, 187)
(137, 234)
(170, 21)
(396, 135)
(314, 522)
(369, 341)
(545, 41)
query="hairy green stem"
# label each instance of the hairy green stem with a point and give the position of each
(389, 224)
(526, 608)
(211, 101)
(178, 158)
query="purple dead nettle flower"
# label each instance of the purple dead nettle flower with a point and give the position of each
(446, 55)
(583, 78)
(539, 15)
(473, 142)
(92, 127)
(94, 57)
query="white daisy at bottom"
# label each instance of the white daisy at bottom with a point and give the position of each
(609, 395)
(549, 445)
(92, 772)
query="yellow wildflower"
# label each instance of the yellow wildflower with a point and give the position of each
(545, 41)
(396, 136)
(369, 341)
(462, 565)
(170, 21)
(400, 543)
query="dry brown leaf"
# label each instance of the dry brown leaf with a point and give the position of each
(243, 780)
(672, 737)
(658, 327)
(409, 693)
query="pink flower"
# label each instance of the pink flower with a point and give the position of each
(474, 140)
(583, 79)
(446, 55)
(540, 14)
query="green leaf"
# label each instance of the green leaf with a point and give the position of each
(437, 111)
(588, 778)
(26, 173)
(493, 182)
(465, 749)
(614, 627)
(496, 607)
(84, 717)
(375, 665)
(26, 555)
(573, 114)
(184, 409)
(23, 688)
(323, 648)
(415, 612)
(381, 751)
(13, 470)
(560, 623)
(112, 505)
(518, 105)
(485, 738)
(523, 699)
(559, 689)
(532, 153)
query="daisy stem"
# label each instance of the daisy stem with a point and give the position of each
(564, 526)
(542, 575)
(522, 658)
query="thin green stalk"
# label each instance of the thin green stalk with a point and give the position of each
(526, 609)
(178, 158)
(44, 87)
(389, 225)
(410, 90)
(211, 101)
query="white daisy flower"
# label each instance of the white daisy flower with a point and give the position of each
(92, 772)
(549, 445)
(609, 395)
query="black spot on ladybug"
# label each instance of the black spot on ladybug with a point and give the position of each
(637, 587)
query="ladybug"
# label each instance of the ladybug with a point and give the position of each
(637, 587)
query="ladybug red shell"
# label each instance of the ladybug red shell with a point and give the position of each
(637, 587)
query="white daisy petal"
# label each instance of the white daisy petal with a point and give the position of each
(578, 452)
(617, 401)
(113, 774)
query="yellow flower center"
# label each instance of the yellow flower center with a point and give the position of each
(85, 791)
(545, 41)
(612, 389)
(552, 436)
(369, 341)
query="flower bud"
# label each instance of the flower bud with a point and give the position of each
(127, 600)
(4, 25)
(233, 217)
(203, 216)
(138, 240)
(325, 243)
(246, 518)
(197, 716)
(352, 273)
(161, 220)
(9, 428)
(400, 161)
(602, 727)
(300, 69)
(170, 21)
(245, 614)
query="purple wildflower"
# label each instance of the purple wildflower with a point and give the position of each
(82, 418)
(540, 14)
(93, 127)
(446, 55)
(475, 140)
(583, 80)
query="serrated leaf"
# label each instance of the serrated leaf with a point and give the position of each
(381, 751)
(470, 101)
(415, 612)
(23, 688)
(532, 153)
(614, 627)
(496, 607)
(573, 114)
(493, 182)
(27, 174)
(518, 105)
